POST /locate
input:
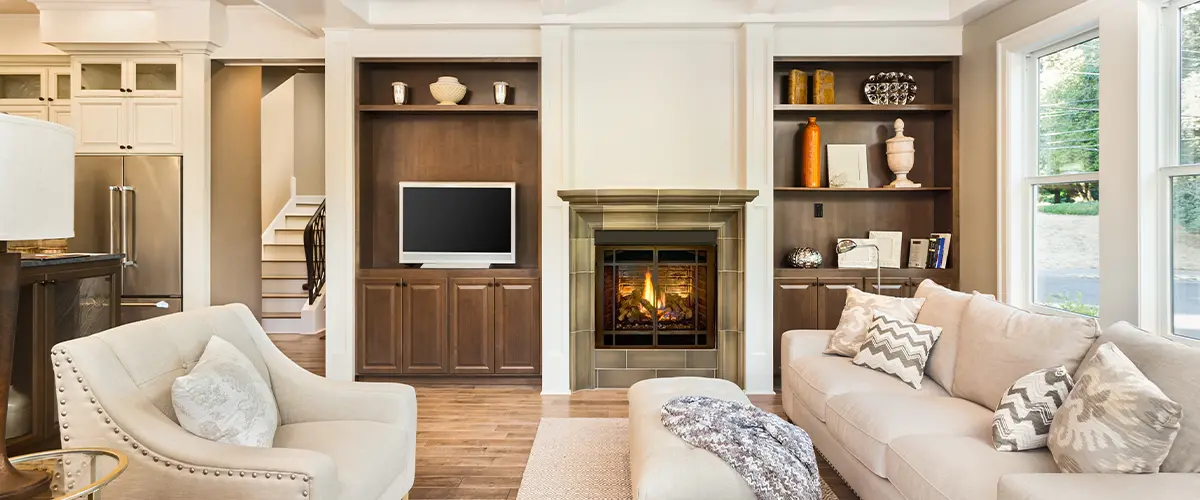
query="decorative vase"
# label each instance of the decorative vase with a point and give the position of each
(900, 157)
(804, 258)
(447, 90)
(500, 92)
(400, 92)
(810, 154)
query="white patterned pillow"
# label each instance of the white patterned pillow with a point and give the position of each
(1115, 420)
(898, 347)
(225, 399)
(858, 313)
(1022, 420)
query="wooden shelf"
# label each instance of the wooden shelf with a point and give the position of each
(833, 272)
(434, 108)
(863, 190)
(905, 108)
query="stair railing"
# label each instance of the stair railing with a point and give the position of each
(314, 254)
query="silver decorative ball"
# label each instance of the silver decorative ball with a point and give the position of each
(806, 258)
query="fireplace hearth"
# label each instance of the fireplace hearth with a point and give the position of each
(655, 296)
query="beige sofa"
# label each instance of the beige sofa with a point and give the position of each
(336, 440)
(892, 442)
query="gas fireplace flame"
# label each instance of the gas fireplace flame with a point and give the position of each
(648, 294)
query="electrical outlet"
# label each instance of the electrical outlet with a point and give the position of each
(819, 210)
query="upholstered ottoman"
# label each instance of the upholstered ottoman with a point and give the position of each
(664, 467)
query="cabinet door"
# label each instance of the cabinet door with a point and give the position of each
(98, 77)
(472, 325)
(60, 85)
(99, 125)
(831, 299)
(153, 77)
(35, 112)
(892, 287)
(155, 126)
(380, 320)
(61, 114)
(23, 86)
(426, 348)
(796, 308)
(518, 326)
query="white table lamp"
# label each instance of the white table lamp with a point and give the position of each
(37, 201)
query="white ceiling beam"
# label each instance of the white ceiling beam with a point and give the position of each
(966, 11)
(554, 7)
(761, 6)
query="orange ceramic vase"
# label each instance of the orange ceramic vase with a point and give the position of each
(810, 155)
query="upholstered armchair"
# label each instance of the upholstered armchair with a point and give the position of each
(336, 440)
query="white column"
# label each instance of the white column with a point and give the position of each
(758, 306)
(556, 290)
(196, 86)
(340, 255)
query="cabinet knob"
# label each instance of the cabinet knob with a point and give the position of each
(397, 284)
(41, 98)
(128, 147)
(404, 283)
(51, 99)
(122, 147)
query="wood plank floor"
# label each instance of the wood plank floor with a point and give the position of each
(473, 441)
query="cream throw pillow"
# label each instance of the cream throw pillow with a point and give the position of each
(1115, 420)
(943, 308)
(225, 399)
(856, 317)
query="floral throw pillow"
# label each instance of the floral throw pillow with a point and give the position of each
(860, 310)
(225, 399)
(1022, 420)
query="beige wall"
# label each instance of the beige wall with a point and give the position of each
(977, 146)
(278, 148)
(310, 133)
(236, 187)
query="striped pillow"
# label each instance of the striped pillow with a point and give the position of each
(897, 347)
(1022, 420)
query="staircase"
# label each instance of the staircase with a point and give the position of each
(284, 272)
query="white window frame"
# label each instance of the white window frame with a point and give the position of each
(1169, 164)
(1017, 149)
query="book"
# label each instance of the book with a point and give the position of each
(918, 251)
(944, 251)
(797, 87)
(931, 255)
(889, 247)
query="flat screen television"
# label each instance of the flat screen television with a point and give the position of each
(458, 224)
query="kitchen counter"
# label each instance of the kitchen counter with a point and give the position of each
(74, 259)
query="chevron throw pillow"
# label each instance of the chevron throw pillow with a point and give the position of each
(1022, 420)
(897, 347)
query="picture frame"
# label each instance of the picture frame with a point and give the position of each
(890, 246)
(847, 165)
(862, 257)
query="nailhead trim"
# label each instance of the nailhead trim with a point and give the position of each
(135, 445)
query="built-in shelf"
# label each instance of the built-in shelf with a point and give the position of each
(833, 272)
(902, 108)
(863, 190)
(461, 108)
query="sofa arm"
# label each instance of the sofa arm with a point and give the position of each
(803, 343)
(1163, 486)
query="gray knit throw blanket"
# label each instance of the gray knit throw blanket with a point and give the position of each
(774, 457)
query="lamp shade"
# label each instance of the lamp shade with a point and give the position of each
(37, 179)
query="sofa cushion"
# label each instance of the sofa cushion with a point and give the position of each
(368, 455)
(858, 313)
(864, 424)
(1099, 486)
(1174, 368)
(998, 344)
(956, 467)
(943, 308)
(815, 379)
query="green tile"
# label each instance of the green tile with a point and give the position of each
(610, 358)
(629, 220)
(583, 254)
(583, 366)
(621, 379)
(702, 359)
(582, 301)
(730, 356)
(683, 372)
(729, 258)
(682, 220)
(645, 358)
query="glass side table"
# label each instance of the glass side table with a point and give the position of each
(74, 474)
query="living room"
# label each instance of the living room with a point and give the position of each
(533, 229)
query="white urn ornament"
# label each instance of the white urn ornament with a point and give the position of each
(900, 157)
(447, 90)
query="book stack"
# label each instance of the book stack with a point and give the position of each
(931, 253)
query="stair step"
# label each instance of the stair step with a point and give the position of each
(302, 209)
(284, 302)
(281, 315)
(295, 221)
(289, 236)
(284, 277)
(288, 267)
(283, 251)
(284, 284)
(275, 295)
(275, 322)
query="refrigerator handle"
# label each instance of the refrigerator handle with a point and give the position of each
(114, 230)
(129, 223)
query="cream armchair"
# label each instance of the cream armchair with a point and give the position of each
(336, 440)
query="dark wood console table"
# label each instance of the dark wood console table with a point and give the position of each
(61, 299)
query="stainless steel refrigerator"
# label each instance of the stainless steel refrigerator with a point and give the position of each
(131, 205)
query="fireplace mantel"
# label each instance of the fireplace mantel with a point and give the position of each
(583, 198)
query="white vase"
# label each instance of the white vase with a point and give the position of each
(400, 92)
(447, 90)
(900, 157)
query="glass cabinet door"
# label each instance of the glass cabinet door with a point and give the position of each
(60, 85)
(158, 78)
(101, 77)
(22, 85)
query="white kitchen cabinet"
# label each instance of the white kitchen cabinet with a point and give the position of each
(59, 80)
(119, 125)
(28, 111)
(61, 114)
(23, 85)
(126, 76)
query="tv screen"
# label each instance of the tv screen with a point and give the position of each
(456, 219)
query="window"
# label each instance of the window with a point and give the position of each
(1182, 170)
(1063, 175)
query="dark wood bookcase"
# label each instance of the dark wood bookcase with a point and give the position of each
(425, 325)
(811, 298)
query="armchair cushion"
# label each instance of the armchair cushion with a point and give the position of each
(225, 400)
(368, 455)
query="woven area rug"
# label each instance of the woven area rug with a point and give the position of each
(584, 459)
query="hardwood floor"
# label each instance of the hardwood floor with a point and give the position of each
(473, 441)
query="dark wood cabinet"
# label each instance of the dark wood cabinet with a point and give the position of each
(380, 314)
(892, 287)
(518, 326)
(831, 299)
(472, 325)
(425, 346)
(796, 308)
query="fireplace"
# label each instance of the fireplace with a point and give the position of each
(655, 296)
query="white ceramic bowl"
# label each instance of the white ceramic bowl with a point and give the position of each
(447, 90)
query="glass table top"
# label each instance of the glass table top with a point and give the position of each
(74, 474)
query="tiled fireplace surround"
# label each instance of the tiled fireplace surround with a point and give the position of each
(656, 209)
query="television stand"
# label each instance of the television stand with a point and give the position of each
(456, 265)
